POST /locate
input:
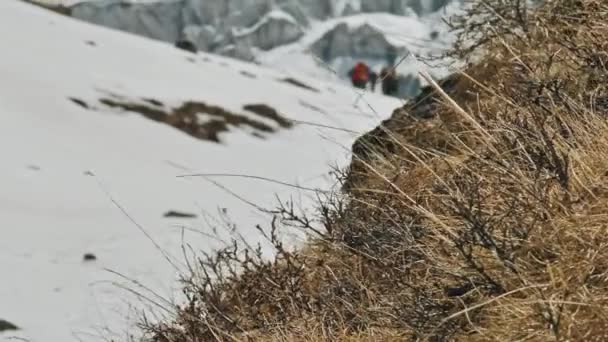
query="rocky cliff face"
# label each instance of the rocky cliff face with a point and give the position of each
(336, 32)
(238, 27)
(415, 123)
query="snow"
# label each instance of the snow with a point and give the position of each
(411, 34)
(270, 23)
(273, 15)
(68, 172)
(281, 15)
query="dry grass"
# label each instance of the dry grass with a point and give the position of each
(198, 119)
(482, 220)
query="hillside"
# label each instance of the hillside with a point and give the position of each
(95, 127)
(322, 38)
(475, 213)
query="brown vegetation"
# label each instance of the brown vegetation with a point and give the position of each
(477, 213)
(6, 325)
(186, 116)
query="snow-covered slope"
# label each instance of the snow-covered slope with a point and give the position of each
(334, 33)
(77, 168)
(218, 25)
(332, 47)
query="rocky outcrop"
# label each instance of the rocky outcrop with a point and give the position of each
(198, 119)
(365, 40)
(238, 27)
(417, 123)
(6, 326)
(276, 28)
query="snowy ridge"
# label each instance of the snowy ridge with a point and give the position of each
(331, 34)
(73, 160)
(219, 26)
(329, 49)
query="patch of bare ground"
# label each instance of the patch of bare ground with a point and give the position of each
(268, 112)
(6, 326)
(198, 119)
(179, 214)
(299, 84)
(79, 102)
(476, 213)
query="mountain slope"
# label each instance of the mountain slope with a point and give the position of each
(330, 35)
(83, 159)
(218, 25)
(477, 212)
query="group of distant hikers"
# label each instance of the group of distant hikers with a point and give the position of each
(361, 74)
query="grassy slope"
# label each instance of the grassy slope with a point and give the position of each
(481, 217)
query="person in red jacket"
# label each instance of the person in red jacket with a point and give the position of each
(359, 75)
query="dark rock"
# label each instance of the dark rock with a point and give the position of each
(186, 117)
(186, 45)
(89, 257)
(153, 102)
(268, 112)
(79, 102)
(300, 84)
(6, 326)
(91, 43)
(173, 213)
(380, 141)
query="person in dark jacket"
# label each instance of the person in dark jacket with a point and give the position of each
(390, 83)
(373, 78)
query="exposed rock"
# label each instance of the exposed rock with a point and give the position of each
(186, 45)
(154, 102)
(200, 120)
(6, 325)
(178, 214)
(79, 102)
(268, 112)
(89, 257)
(364, 40)
(299, 84)
(237, 27)
(416, 121)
